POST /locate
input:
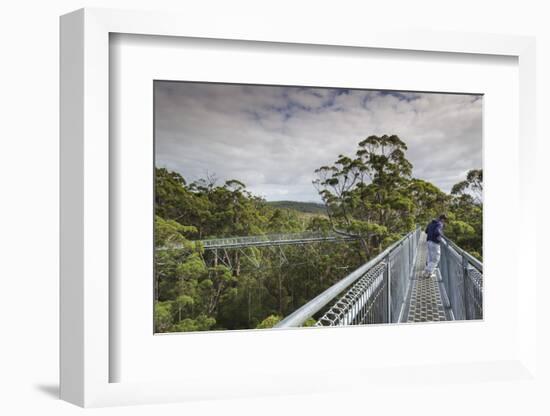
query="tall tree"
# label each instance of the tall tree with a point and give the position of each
(367, 195)
(428, 201)
(466, 225)
(472, 185)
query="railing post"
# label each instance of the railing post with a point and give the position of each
(409, 251)
(447, 277)
(388, 276)
(465, 278)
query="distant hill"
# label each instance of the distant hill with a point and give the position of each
(307, 207)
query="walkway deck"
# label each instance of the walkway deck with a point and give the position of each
(424, 303)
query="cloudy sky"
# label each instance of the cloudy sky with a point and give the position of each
(273, 138)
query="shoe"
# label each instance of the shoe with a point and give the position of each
(427, 275)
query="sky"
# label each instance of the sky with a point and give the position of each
(272, 138)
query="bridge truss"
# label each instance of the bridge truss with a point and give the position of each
(231, 251)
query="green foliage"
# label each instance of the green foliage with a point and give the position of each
(269, 322)
(471, 186)
(467, 210)
(191, 296)
(459, 229)
(200, 323)
(307, 207)
(370, 195)
(171, 233)
(309, 322)
(428, 201)
(163, 316)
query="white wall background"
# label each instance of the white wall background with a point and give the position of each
(29, 205)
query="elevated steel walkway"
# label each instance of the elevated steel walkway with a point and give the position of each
(227, 243)
(273, 240)
(387, 289)
(390, 288)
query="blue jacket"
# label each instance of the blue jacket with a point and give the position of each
(435, 231)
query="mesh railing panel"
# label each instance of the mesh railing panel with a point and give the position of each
(474, 290)
(400, 268)
(364, 303)
(379, 295)
(462, 281)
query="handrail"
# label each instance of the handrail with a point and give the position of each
(299, 316)
(462, 281)
(471, 259)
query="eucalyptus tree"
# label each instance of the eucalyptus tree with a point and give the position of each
(367, 195)
(428, 201)
(472, 185)
(188, 293)
(466, 226)
(370, 195)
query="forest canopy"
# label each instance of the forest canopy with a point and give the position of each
(370, 195)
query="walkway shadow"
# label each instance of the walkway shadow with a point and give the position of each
(51, 390)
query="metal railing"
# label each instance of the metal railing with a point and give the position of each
(462, 279)
(267, 240)
(272, 239)
(373, 293)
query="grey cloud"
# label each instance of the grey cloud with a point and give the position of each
(273, 138)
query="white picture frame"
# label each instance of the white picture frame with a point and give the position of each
(85, 351)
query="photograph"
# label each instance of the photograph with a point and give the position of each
(282, 206)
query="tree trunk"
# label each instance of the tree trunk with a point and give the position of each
(237, 267)
(249, 305)
(280, 293)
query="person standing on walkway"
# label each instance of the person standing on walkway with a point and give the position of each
(434, 230)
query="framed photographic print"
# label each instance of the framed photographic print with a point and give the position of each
(248, 215)
(268, 213)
